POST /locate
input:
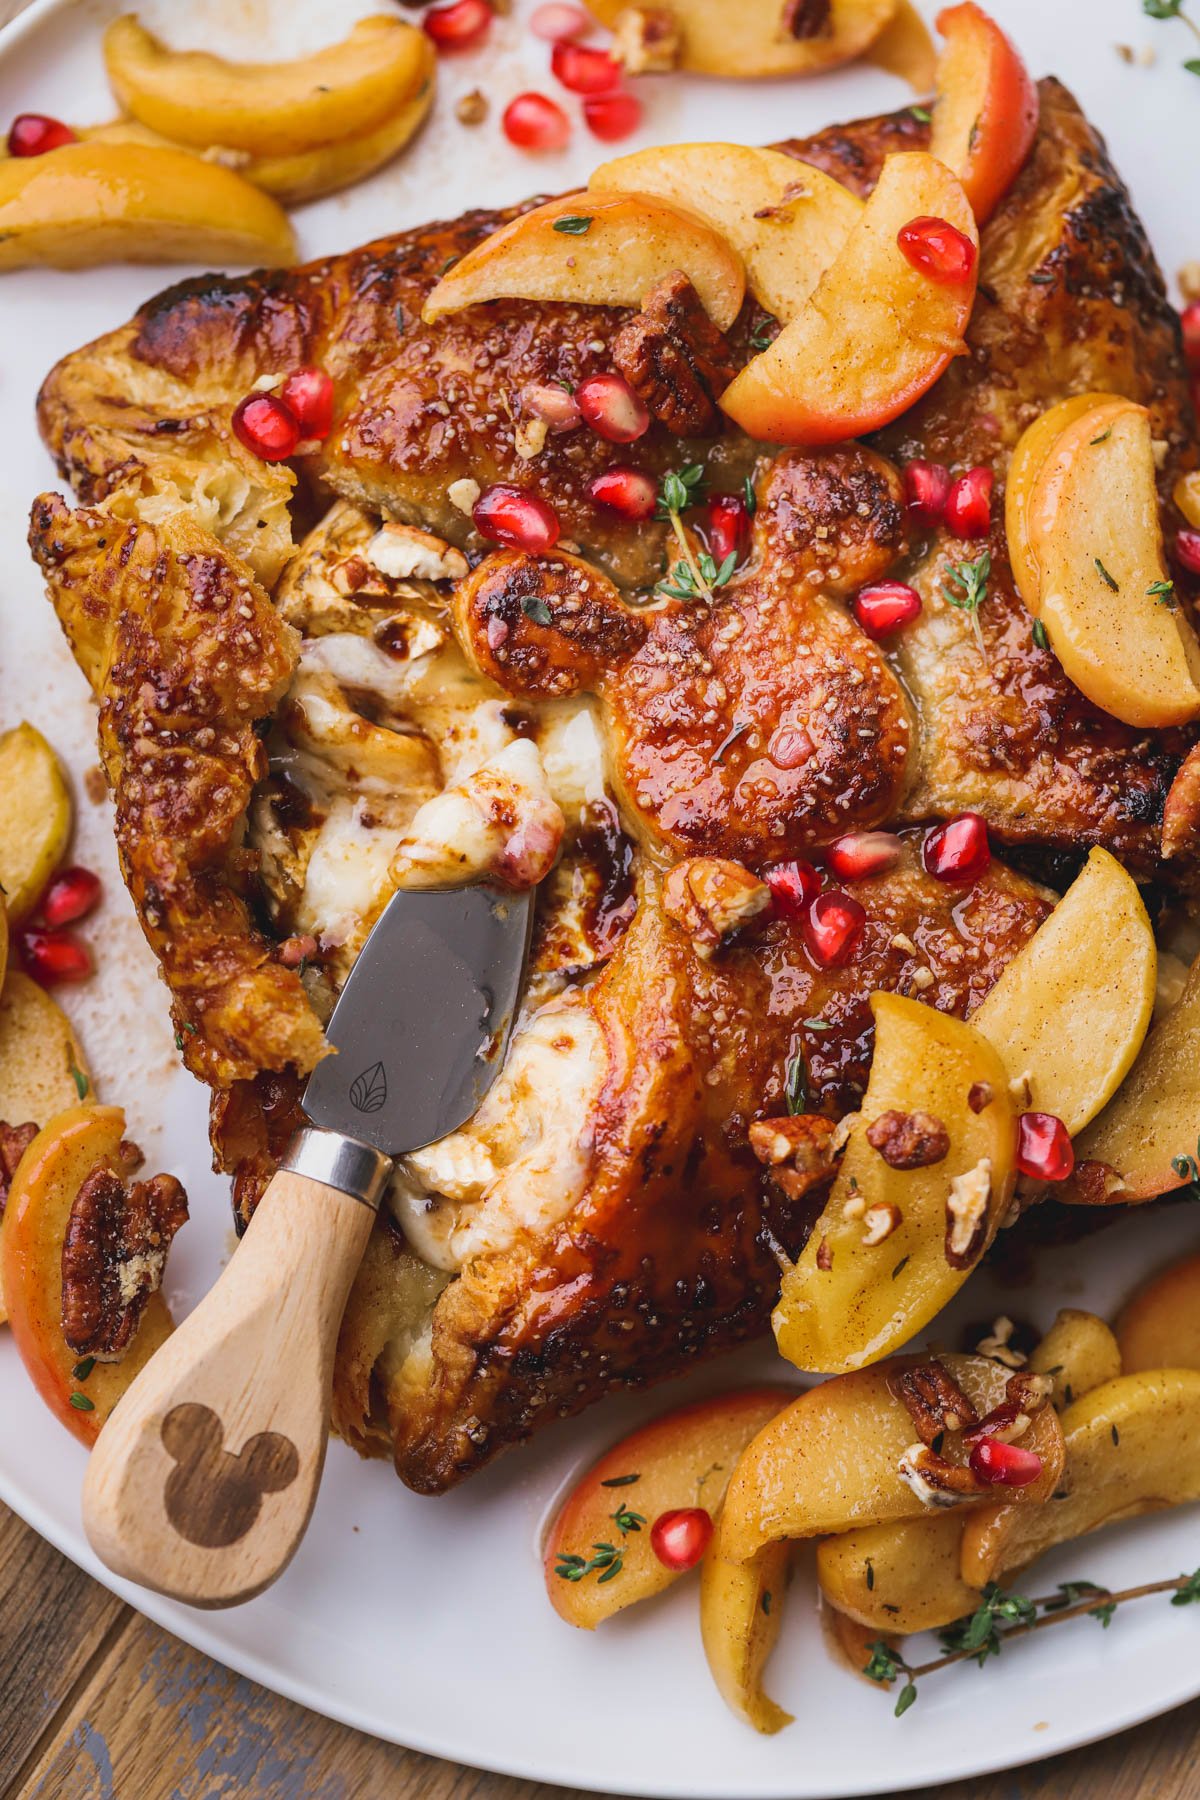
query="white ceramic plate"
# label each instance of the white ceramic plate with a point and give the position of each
(425, 1621)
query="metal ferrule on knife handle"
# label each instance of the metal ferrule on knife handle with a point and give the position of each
(340, 1162)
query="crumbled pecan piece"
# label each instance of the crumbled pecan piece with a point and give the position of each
(932, 1398)
(113, 1257)
(675, 359)
(824, 1256)
(807, 18)
(796, 1150)
(935, 1481)
(646, 40)
(712, 897)
(980, 1096)
(472, 108)
(879, 1222)
(909, 1140)
(1024, 1395)
(967, 1214)
(998, 1345)
(14, 1142)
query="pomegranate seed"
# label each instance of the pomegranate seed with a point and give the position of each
(938, 249)
(532, 122)
(556, 22)
(863, 853)
(926, 488)
(612, 409)
(32, 134)
(52, 957)
(1189, 320)
(612, 117)
(794, 886)
(969, 504)
(308, 395)
(507, 515)
(1004, 1465)
(1044, 1148)
(680, 1538)
(267, 427)
(584, 71)
(1187, 549)
(553, 405)
(958, 850)
(884, 606)
(626, 491)
(71, 895)
(728, 526)
(459, 26)
(833, 926)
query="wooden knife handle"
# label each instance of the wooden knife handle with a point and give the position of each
(202, 1481)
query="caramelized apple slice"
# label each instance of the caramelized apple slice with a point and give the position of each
(98, 202)
(595, 250)
(35, 816)
(831, 1461)
(786, 221)
(1078, 1353)
(898, 1237)
(741, 1609)
(1144, 1143)
(1159, 1328)
(267, 109)
(1028, 459)
(1103, 592)
(1133, 1446)
(50, 1175)
(986, 115)
(1071, 1009)
(42, 1065)
(756, 42)
(878, 330)
(683, 1459)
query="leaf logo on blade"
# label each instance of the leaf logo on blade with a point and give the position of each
(368, 1091)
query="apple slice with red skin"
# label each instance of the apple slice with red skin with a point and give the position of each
(877, 332)
(48, 1178)
(986, 115)
(683, 1459)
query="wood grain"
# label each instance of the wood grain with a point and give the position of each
(98, 1704)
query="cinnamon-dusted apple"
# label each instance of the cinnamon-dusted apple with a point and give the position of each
(1159, 1328)
(1070, 1011)
(82, 1250)
(35, 817)
(267, 109)
(595, 250)
(767, 37)
(786, 221)
(42, 1065)
(885, 319)
(1103, 591)
(985, 117)
(683, 1459)
(1025, 467)
(925, 1180)
(741, 1610)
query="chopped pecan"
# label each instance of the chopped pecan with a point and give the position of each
(797, 1151)
(113, 1257)
(646, 40)
(1024, 1395)
(967, 1214)
(999, 1344)
(14, 1142)
(807, 18)
(909, 1140)
(879, 1222)
(980, 1096)
(711, 897)
(932, 1398)
(824, 1256)
(935, 1481)
(675, 359)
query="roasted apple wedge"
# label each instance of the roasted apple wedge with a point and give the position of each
(1071, 1009)
(95, 202)
(741, 1610)
(1102, 589)
(35, 816)
(882, 322)
(1144, 1143)
(59, 1267)
(267, 109)
(986, 113)
(42, 1066)
(1028, 460)
(595, 250)
(840, 1456)
(925, 1179)
(758, 42)
(1159, 1328)
(1079, 1353)
(786, 220)
(682, 1460)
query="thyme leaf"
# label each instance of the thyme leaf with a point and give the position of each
(574, 224)
(1108, 580)
(965, 587)
(796, 1083)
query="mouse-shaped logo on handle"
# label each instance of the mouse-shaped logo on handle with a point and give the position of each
(214, 1495)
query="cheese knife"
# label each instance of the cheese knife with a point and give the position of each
(202, 1481)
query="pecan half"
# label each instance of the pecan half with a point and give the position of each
(932, 1398)
(909, 1140)
(14, 1142)
(935, 1481)
(798, 1151)
(807, 18)
(675, 359)
(113, 1256)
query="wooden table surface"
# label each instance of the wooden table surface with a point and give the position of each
(98, 1704)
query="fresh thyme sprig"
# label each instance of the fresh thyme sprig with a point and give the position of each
(692, 578)
(1000, 1617)
(605, 1563)
(965, 586)
(1173, 9)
